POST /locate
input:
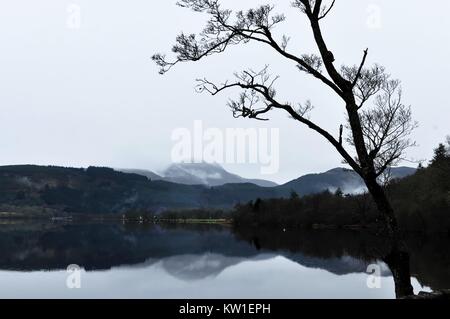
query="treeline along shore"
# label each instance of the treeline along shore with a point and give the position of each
(421, 202)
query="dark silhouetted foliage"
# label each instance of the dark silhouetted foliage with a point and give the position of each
(421, 202)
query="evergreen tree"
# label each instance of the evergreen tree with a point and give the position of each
(440, 154)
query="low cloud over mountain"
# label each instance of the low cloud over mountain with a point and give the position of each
(183, 186)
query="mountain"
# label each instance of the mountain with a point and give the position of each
(207, 174)
(214, 175)
(339, 178)
(97, 190)
(198, 174)
(402, 172)
(149, 174)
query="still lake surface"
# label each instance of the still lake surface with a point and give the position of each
(204, 261)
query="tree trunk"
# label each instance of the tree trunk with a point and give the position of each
(398, 262)
(384, 207)
(398, 259)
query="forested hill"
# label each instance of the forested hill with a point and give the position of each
(104, 190)
(32, 189)
(421, 203)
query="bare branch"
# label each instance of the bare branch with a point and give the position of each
(304, 109)
(379, 135)
(285, 42)
(313, 61)
(220, 33)
(259, 89)
(314, 8)
(367, 82)
(386, 127)
(358, 74)
(257, 85)
(325, 10)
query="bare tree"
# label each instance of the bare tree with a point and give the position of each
(378, 122)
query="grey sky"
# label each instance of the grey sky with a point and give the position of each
(92, 96)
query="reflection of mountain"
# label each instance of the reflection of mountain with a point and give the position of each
(193, 267)
(196, 252)
(343, 252)
(337, 265)
(99, 247)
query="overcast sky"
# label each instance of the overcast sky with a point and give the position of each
(92, 96)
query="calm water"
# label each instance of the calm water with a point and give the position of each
(147, 261)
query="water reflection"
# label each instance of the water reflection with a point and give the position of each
(147, 261)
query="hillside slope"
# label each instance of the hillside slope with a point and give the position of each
(103, 190)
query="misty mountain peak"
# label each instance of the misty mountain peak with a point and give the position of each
(209, 174)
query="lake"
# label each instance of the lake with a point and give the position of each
(204, 261)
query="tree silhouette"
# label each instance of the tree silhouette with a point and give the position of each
(440, 154)
(378, 133)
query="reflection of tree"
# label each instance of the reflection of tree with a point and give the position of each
(398, 262)
(429, 263)
(102, 246)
